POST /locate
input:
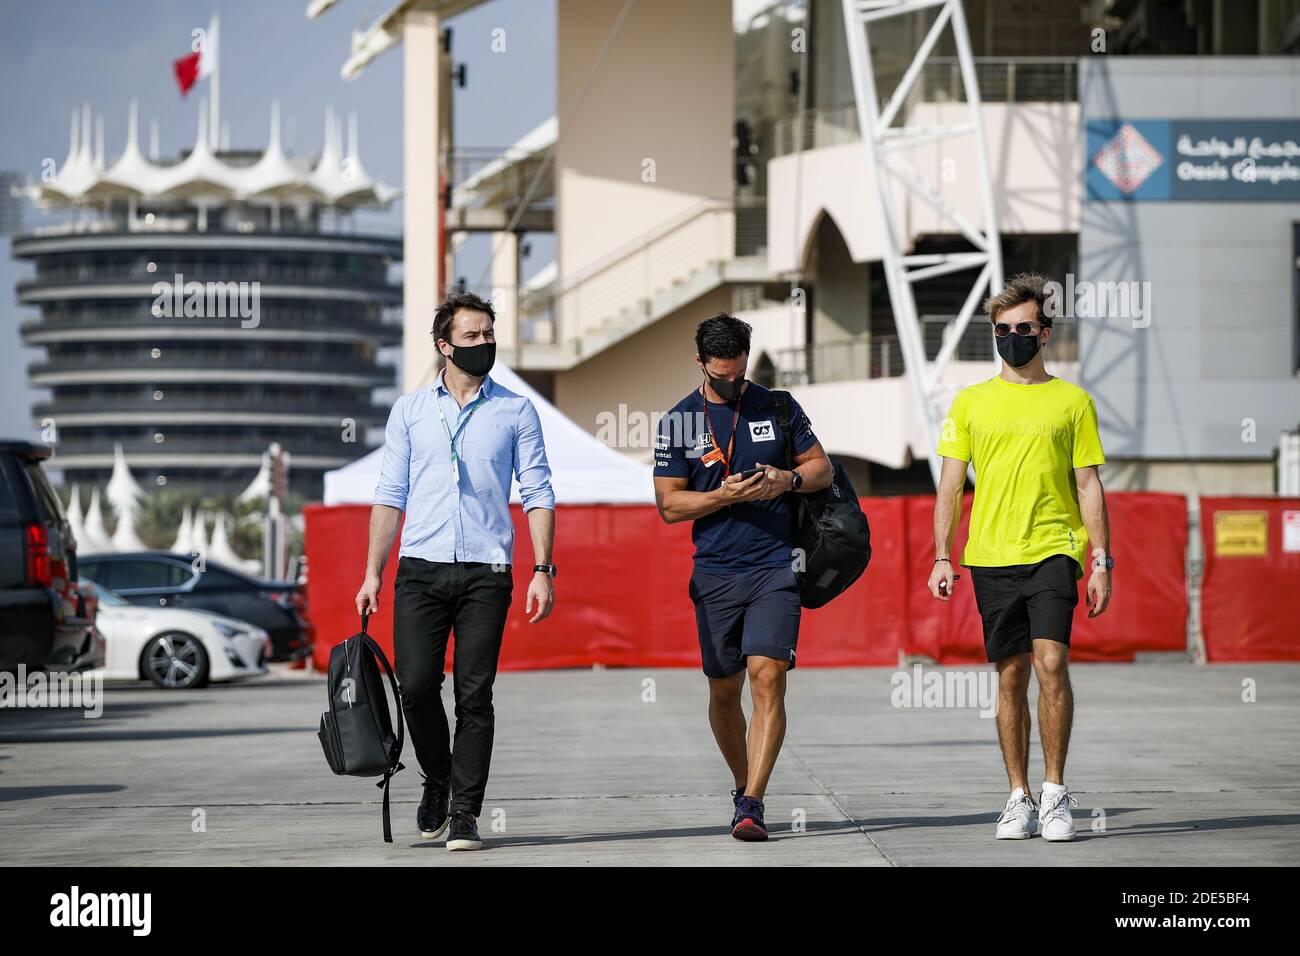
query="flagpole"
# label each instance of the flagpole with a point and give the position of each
(214, 121)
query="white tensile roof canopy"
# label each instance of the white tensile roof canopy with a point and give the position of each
(584, 470)
(337, 179)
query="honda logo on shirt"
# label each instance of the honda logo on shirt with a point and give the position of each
(762, 431)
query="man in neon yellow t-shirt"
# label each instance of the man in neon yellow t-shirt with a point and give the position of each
(1039, 519)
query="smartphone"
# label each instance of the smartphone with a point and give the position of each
(749, 473)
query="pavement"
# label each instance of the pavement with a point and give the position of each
(1170, 765)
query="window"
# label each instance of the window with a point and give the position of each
(138, 573)
(51, 506)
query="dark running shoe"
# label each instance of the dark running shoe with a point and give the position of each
(736, 796)
(463, 834)
(748, 824)
(431, 816)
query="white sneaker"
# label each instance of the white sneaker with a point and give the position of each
(1054, 818)
(1017, 819)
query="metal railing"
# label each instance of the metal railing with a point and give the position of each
(253, 270)
(318, 444)
(305, 330)
(475, 184)
(1001, 80)
(880, 356)
(211, 359)
(279, 404)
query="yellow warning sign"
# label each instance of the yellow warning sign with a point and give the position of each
(1241, 534)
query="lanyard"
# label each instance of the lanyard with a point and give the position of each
(735, 420)
(451, 439)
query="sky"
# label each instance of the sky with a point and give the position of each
(57, 54)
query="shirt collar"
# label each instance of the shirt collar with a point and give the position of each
(440, 386)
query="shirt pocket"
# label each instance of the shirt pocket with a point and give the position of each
(489, 441)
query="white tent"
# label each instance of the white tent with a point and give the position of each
(584, 470)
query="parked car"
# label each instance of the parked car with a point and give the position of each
(174, 647)
(44, 622)
(163, 579)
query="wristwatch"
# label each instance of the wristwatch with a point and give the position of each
(796, 482)
(1099, 565)
(548, 568)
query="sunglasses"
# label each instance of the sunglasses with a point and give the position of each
(1003, 329)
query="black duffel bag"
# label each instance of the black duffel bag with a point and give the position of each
(831, 529)
(356, 732)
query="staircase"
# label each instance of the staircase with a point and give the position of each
(638, 284)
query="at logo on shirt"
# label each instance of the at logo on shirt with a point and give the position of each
(762, 431)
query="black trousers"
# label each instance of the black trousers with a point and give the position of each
(431, 599)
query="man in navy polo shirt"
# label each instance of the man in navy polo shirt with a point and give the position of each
(720, 462)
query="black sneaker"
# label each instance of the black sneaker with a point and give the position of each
(464, 833)
(749, 825)
(736, 796)
(432, 816)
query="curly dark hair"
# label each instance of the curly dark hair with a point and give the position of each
(453, 304)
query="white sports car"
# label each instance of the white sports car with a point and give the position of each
(172, 647)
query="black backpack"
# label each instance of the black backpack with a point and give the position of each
(830, 527)
(356, 732)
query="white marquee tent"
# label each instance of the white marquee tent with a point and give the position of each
(584, 470)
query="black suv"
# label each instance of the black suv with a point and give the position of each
(43, 621)
(163, 579)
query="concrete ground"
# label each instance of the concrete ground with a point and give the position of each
(603, 767)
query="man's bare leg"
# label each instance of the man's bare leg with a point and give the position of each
(767, 726)
(1055, 705)
(727, 719)
(1013, 717)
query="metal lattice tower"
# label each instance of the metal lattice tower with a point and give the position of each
(889, 142)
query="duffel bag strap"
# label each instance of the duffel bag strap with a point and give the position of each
(781, 402)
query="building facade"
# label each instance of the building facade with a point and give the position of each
(194, 312)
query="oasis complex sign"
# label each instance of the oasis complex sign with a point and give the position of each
(1192, 160)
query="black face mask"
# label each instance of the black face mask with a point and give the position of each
(727, 390)
(474, 360)
(1017, 350)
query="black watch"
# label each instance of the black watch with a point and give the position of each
(1105, 565)
(797, 481)
(548, 568)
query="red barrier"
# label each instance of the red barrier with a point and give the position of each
(622, 590)
(1147, 612)
(1250, 589)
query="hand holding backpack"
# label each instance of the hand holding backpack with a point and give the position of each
(356, 731)
(830, 527)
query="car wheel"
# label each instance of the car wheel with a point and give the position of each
(175, 661)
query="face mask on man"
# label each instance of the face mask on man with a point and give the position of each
(474, 360)
(727, 390)
(1017, 349)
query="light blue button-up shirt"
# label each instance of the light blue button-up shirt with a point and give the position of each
(464, 516)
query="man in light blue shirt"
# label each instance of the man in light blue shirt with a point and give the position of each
(450, 451)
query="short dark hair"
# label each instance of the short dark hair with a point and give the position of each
(453, 304)
(723, 336)
(1022, 288)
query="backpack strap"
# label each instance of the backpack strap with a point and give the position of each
(401, 725)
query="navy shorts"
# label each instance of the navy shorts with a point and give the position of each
(1022, 602)
(752, 612)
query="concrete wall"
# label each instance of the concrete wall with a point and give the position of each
(663, 93)
(648, 372)
(1219, 351)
